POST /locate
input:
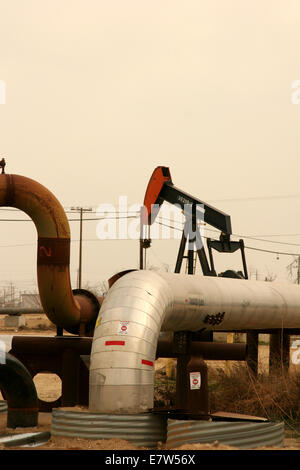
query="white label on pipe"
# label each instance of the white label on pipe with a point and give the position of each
(195, 380)
(296, 357)
(123, 328)
(195, 300)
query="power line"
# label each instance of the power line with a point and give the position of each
(69, 211)
(249, 247)
(270, 251)
(280, 235)
(176, 228)
(245, 236)
(76, 220)
(166, 225)
(257, 198)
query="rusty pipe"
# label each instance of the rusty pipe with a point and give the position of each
(20, 393)
(49, 345)
(61, 306)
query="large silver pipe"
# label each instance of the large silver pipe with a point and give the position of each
(141, 304)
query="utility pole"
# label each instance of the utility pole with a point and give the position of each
(80, 251)
(81, 210)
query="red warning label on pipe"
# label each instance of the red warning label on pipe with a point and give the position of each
(195, 380)
(114, 343)
(123, 328)
(147, 363)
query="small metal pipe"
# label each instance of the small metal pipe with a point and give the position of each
(20, 310)
(279, 351)
(70, 374)
(181, 376)
(252, 343)
(197, 403)
(80, 250)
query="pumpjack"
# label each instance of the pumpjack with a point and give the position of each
(161, 189)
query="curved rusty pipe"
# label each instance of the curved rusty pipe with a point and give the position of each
(77, 312)
(20, 393)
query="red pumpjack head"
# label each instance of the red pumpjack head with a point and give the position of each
(160, 175)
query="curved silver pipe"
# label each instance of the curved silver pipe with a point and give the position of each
(142, 303)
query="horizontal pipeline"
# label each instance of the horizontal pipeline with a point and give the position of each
(82, 345)
(20, 310)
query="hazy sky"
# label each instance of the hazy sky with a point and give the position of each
(98, 93)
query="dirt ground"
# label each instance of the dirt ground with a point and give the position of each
(49, 388)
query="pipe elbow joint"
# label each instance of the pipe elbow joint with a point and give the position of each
(20, 393)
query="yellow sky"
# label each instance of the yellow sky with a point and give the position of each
(99, 93)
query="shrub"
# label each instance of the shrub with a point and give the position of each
(273, 396)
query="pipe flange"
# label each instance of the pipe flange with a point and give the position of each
(90, 308)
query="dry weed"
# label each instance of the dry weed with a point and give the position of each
(274, 396)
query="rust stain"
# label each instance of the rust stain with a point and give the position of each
(55, 251)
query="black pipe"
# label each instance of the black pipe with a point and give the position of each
(206, 349)
(41, 345)
(19, 392)
(50, 345)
